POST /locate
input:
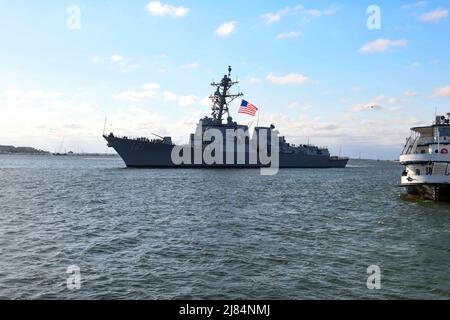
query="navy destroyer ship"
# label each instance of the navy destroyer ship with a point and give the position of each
(426, 161)
(160, 152)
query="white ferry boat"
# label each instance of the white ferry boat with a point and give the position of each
(427, 161)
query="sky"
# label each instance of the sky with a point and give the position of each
(340, 74)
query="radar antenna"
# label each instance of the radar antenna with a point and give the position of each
(222, 97)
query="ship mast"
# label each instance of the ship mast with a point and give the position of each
(222, 97)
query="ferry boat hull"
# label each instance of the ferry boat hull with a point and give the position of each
(434, 192)
(426, 161)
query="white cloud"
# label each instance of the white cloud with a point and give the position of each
(419, 4)
(135, 95)
(150, 86)
(306, 107)
(130, 67)
(41, 118)
(377, 104)
(147, 91)
(150, 90)
(254, 80)
(30, 95)
(443, 92)
(382, 45)
(124, 64)
(156, 8)
(193, 65)
(135, 122)
(169, 96)
(434, 16)
(292, 105)
(327, 12)
(291, 78)
(117, 58)
(395, 101)
(289, 35)
(314, 13)
(186, 101)
(206, 101)
(273, 17)
(410, 93)
(44, 123)
(379, 134)
(415, 65)
(182, 101)
(226, 29)
(371, 106)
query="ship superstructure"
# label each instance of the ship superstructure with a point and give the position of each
(158, 153)
(427, 161)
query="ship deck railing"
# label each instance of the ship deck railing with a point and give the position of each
(142, 139)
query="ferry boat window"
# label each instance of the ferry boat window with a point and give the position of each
(417, 172)
(429, 171)
(444, 132)
(422, 151)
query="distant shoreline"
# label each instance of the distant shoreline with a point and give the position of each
(9, 149)
(12, 150)
(62, 155)
(84, 155)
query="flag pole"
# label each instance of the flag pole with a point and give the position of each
(257, 122)
(104, 126)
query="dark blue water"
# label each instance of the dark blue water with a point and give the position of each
(210, 234)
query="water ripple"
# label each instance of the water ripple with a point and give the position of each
(193, 234)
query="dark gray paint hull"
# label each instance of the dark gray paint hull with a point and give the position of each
(435, 192)
(141, 154)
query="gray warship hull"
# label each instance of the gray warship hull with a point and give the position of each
(147, 154)
(230, 138)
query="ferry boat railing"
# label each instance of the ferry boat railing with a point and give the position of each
(410, 145)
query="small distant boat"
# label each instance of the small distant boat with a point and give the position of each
(427, 161)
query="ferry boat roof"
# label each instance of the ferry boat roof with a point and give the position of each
(441, 121)
(428, 129)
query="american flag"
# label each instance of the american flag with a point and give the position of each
(248, 108)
